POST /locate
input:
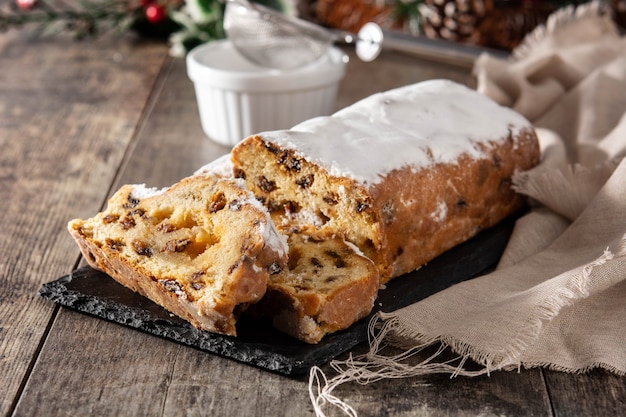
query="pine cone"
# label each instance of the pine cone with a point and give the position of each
(506, 25)
(454, 20)
(619, 12)
(351, 15)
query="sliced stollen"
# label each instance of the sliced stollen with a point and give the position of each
(203, 248)
(404, 175)
(328, 286)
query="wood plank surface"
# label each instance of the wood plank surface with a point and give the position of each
(392, 70)
(169, 379)
(68, 111)
(90, 117)
(596, 393)
(170, 143)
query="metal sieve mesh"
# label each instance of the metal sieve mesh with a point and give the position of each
(274, 40)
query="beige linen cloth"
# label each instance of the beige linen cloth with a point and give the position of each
(558, 296)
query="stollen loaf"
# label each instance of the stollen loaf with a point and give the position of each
(302, 226)
(404, 175)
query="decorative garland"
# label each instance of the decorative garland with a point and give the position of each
(186, 23)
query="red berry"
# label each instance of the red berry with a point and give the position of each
(155, 13)
(25, 4)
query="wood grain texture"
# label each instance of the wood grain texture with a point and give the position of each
(92, 367)
(392, 70)
(67, 113)
(73, 128)
(170, 142)
(498, 394)
(189, 382)
(596, 393)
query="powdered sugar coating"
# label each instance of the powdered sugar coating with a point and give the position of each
(221, 167)
(141, 191)
(417, 125)
(275, 240)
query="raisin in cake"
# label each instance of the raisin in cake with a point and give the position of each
(404, 175)
(328, 286)
(203, 248)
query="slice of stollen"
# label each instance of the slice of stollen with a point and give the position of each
(203, 248)
(328, 286)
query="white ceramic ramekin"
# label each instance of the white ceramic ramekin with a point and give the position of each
(237, 98)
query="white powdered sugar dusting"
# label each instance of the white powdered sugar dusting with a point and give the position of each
(304, 216)
(355, 248)
(140, 191)
(418, 125)
(275, 240)
(441, 212)
(221, 167)
(271, 236)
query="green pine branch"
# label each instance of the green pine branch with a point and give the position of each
(87, 18)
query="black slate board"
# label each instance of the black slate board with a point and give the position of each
(93, 292)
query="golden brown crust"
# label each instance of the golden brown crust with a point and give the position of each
(200, 249)
(427, 212)
(407, 219)
(216, 259)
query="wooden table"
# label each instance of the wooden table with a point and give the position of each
(77, 120)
